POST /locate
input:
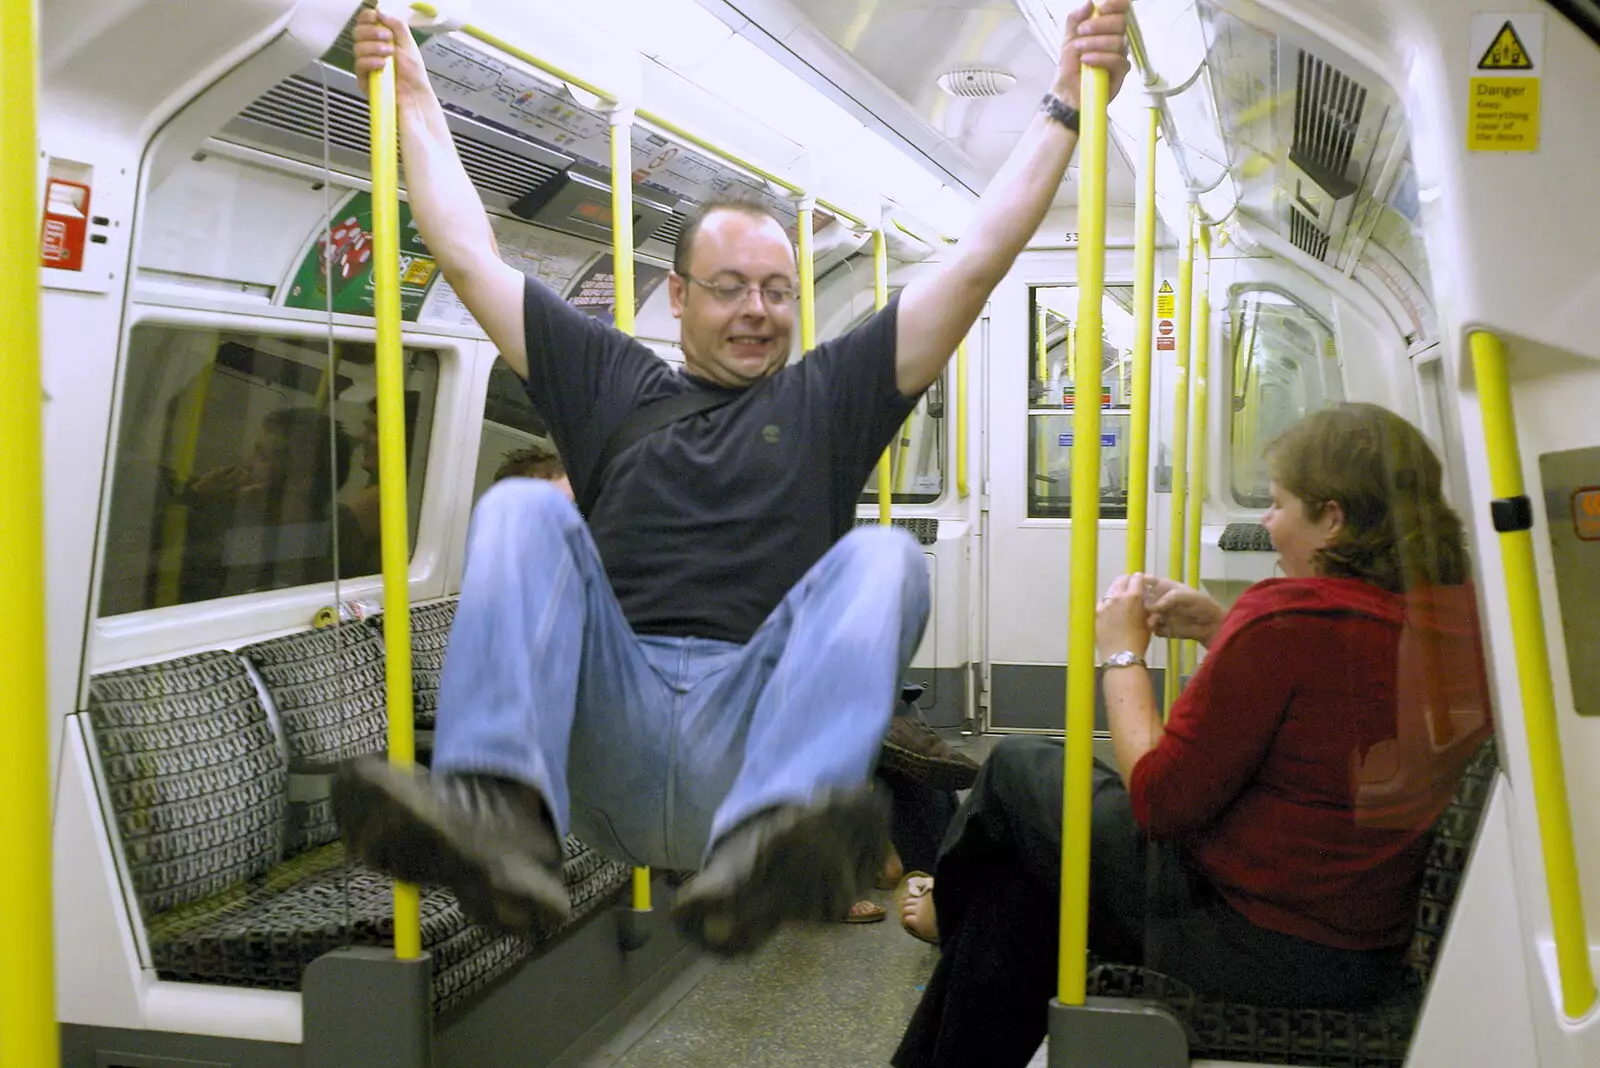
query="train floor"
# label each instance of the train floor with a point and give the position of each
(837, 995)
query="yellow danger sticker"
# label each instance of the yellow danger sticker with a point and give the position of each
(1166, 302)
(1507, 53)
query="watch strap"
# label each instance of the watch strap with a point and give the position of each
(1061, 111)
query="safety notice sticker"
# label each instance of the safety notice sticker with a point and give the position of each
(1507, 56)
(1166, 301)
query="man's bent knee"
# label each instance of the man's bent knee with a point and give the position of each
(885, 552)
(517, 506)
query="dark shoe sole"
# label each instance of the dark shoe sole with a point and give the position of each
(936, 773)
(393, 823)
(808, 869)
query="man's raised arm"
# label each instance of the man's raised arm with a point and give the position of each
(444, 203)
(936, 312)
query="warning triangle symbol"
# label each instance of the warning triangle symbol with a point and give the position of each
(1506, 52)
(1166, 287)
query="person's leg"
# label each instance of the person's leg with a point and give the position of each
(919, 817)
(536, 616)
(988, 1000)
(778, 749)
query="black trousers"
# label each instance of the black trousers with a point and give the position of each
(996, 893)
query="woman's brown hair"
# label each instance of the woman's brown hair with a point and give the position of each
(1398, 531)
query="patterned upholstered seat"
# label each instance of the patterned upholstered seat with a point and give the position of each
(327, 688)
(198, 781)
(265, 933)
(1376, 1038)
(430, 632)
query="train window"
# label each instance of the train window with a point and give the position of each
(1285, 364)
(515, 437)
(916, 457)
(1057, 355)
(241, 466)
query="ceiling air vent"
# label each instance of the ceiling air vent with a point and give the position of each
(1305, 236)
(290, 117)
(1327, 115)
(667, 233)
(973, 83)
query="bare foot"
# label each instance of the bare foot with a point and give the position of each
(865, 912)
(916, 909)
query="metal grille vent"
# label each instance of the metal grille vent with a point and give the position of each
(295, 106)
(976, 84)
(1327, 113)
(1305, 236)
(668, 232)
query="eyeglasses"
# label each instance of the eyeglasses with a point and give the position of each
(731, 293)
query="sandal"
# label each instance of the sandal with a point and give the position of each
(865, 912)
(916, 886)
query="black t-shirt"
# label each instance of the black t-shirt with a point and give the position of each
(704, 525)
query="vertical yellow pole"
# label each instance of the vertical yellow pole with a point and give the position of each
(392, 463)
(1200, 366)
(1180, 441)
(808, 276)
(622, 264)
(1096, 94)
(1144, 286)
(27, 963)
(1514, 520)
(880, 297)
(960, 401)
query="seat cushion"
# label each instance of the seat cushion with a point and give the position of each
(1224, 1030)
(327, 688)
(264, 934)
(193, 773)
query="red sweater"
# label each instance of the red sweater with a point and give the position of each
(1314, 749)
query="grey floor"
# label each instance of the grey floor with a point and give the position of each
(838, 995)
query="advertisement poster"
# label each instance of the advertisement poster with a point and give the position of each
(594, 292)
(345, 254)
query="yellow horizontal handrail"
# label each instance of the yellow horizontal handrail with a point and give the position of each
(1533, 676)
(480, 34)
(665, 125)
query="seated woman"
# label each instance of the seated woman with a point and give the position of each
(1267, 843)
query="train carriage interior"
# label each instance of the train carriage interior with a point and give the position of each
(240, 327)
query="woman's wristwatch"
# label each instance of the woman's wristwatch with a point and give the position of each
(1126, 658)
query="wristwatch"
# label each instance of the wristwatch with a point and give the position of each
(1061, 111)
(1126, 658)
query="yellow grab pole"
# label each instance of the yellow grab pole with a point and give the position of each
(27, 963)
(392, 463)
(880, 298)
(1514, 520)
(1072, 356)
(622, 266)
(1200, 362)
(1079, 750)
(808, 276)
(1200, 368)
(960, 400)
(1144, 284)
(1180, 441)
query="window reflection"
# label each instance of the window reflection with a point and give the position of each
(243, 466)
(1285, 364)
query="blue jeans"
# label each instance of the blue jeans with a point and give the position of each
(651, 748)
